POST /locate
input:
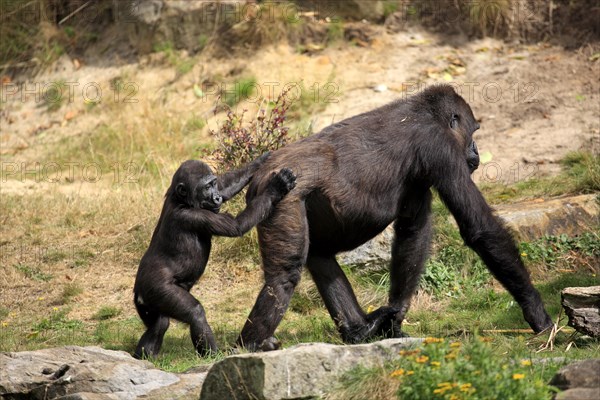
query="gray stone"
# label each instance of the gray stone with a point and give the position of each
(300, 372)
(89, 373)
(582, 306)
(528, 220)
(578, 381)
(567, 215)
(579, 394)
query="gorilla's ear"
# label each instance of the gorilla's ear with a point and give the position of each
(454, 121)
(181, 190)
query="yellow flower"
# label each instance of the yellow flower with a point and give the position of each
(454, 397)
(398, 372)
(439, 391)
(422, 359)
(410, 373)
(4, 324)
(516, 377)
(523, 254)
(435, 363)
(465, 387)
(54, 308)
(526, 363)
(40, 298)
(455, 345)
(445, 384)
(429, 340)
(451, 355)
(370, 309)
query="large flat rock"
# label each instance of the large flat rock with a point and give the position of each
(300, 372)
(89, 373)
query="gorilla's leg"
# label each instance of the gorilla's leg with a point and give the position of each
(156, 324)
(339, 298)
(283, 242)
(184, 307)
(409, 253)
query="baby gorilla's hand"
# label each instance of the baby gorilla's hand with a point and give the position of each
(282, 182)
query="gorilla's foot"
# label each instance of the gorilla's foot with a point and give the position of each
(269, 344)
(377, 322)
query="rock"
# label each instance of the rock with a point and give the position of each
(92, 373)
(300, 372)
(582, 306)
(529, 220)
(579, 394)
(579, 381)
(567, 215)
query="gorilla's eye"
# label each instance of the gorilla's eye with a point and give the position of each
(454, 121)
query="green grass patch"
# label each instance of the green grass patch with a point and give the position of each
(107, 312)
(69, 291)
(33, 273)
(239, 90)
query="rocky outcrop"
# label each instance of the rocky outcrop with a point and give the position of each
(582, 306)
(90, 373)
(300, 372)
(567, 215)
(578, 381)
(528, 220)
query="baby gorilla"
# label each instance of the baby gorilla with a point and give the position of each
(180, 247)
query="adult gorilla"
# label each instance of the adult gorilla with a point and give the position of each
(356, 177)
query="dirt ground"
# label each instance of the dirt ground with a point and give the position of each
(535, 103)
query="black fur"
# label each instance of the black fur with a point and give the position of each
(355, 178)
(181, 242)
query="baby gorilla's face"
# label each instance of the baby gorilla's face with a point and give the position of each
(207, 194)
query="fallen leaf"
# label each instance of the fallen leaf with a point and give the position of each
(70, 115)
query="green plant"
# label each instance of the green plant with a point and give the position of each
(242, 89)
(439, 369)
(69, 291)
(335, 31)
(54, 96)
(107, 312)
(33, 273)
(57, 321)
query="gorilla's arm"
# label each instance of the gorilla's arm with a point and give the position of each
(487, 236)
(231, 183)
(257, 210)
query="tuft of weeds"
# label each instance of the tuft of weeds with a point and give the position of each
(33, 273)
(54, 97)
(70, 291)
(243, 88)
(57, 321)
(335, 31)
(182, 64)
(107, 312)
